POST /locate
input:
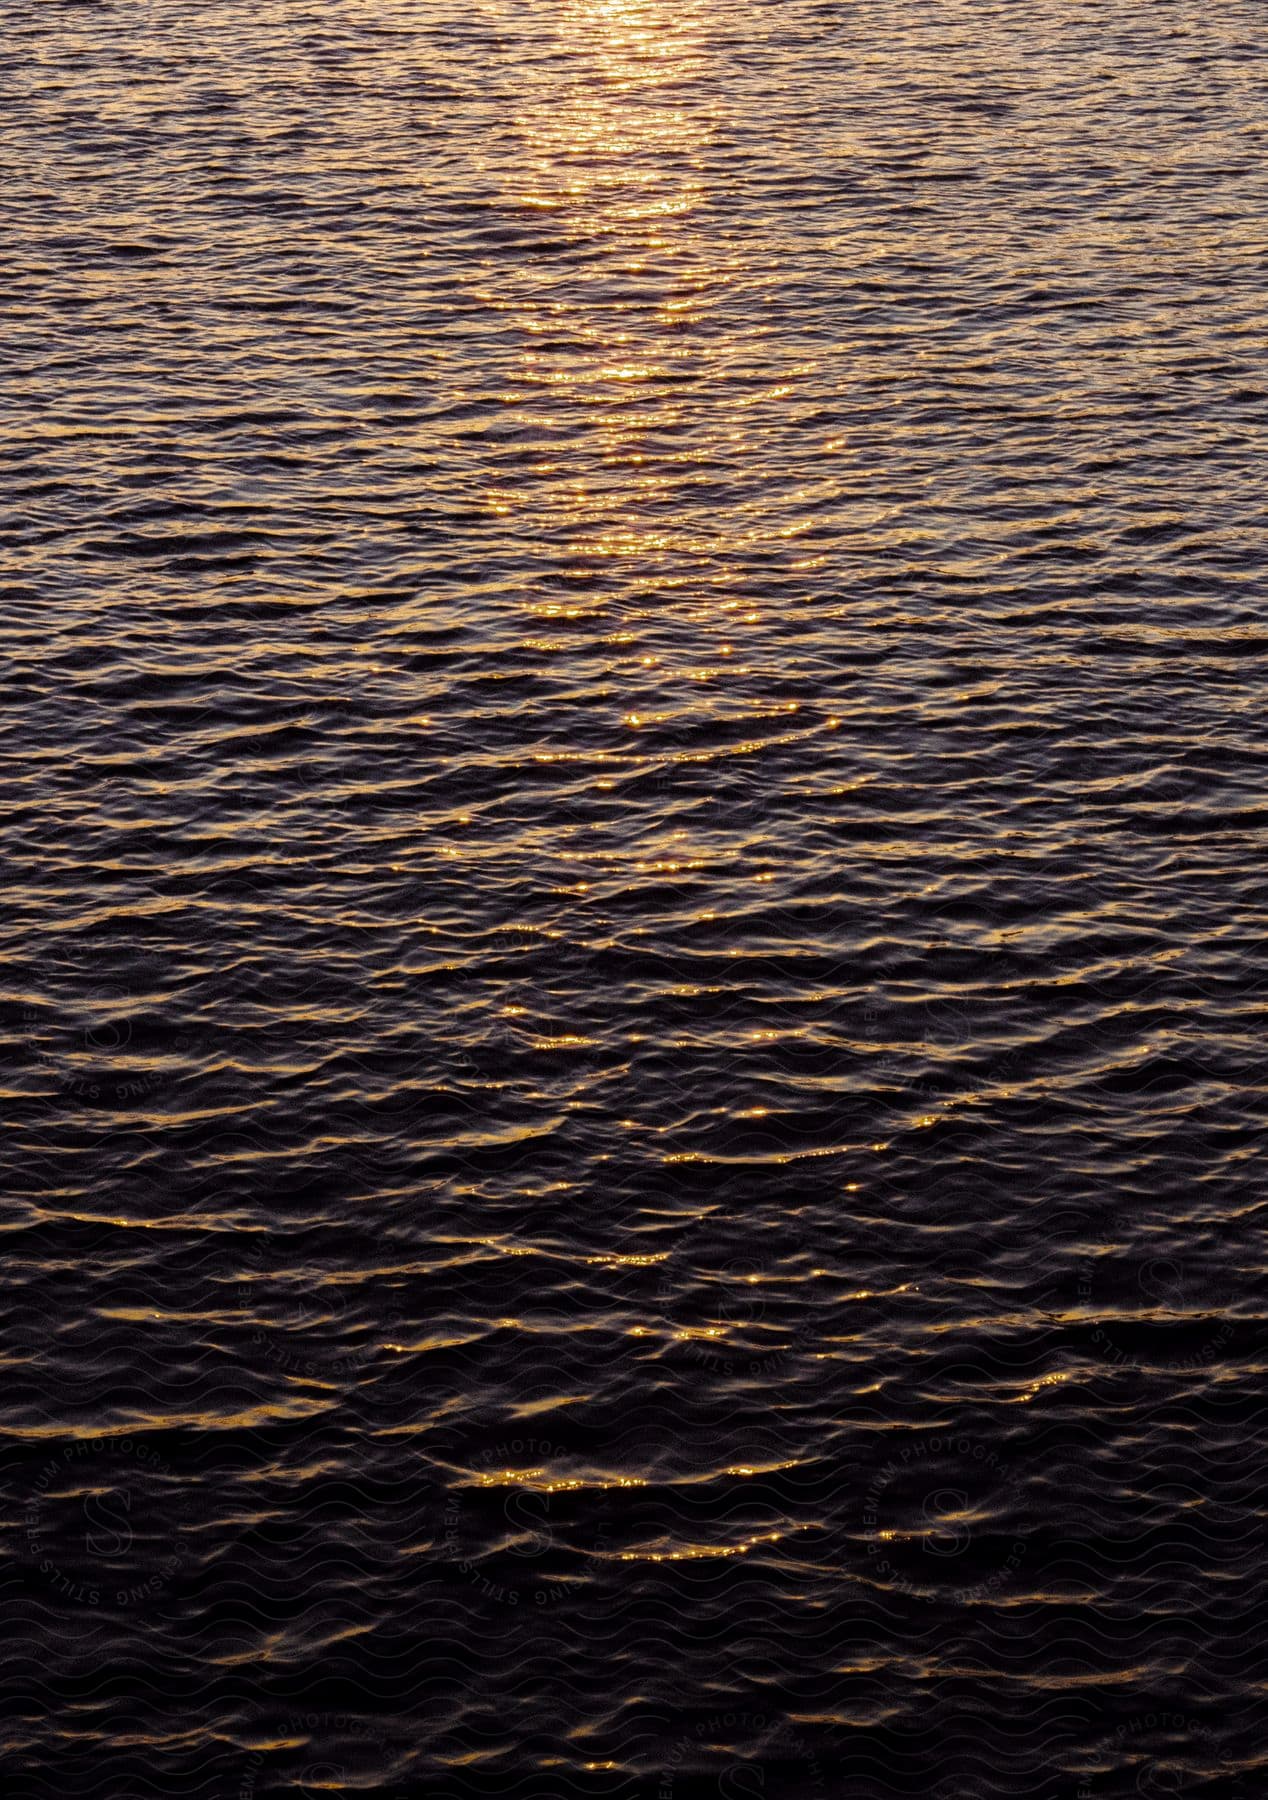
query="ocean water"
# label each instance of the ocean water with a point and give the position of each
(633, 997)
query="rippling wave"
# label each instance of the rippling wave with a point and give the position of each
(633, 990)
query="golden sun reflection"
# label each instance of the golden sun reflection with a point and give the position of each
(619, 134)
(616, 128)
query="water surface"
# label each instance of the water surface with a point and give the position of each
(633, 983)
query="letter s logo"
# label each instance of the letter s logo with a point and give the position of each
(108, 1533)
(1162, 1281)
(527, 1511)
(321, 1778)
(1157, 1783)
(950, 1538)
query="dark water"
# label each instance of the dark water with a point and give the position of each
(634, 826)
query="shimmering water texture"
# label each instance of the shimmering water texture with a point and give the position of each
(634, 826)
